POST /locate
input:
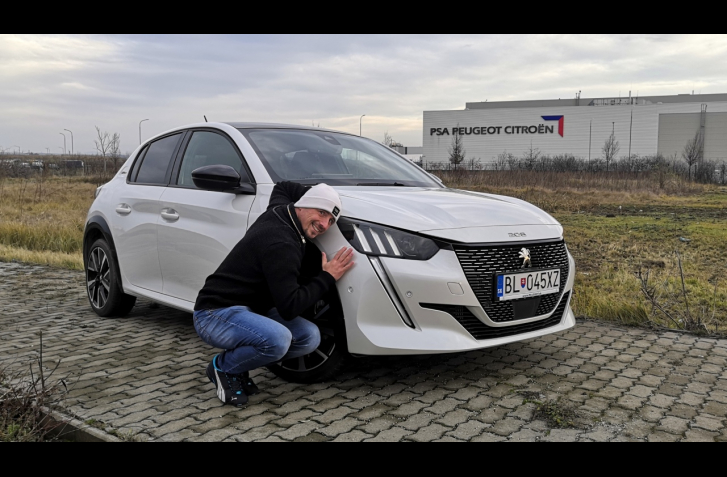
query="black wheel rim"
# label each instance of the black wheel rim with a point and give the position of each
(98, 278)
(324, 351)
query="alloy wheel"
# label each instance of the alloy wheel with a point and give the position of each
(324, 351)
(98, 277)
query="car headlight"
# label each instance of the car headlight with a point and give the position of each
(381, 241)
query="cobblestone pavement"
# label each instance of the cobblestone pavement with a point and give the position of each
(142, 377)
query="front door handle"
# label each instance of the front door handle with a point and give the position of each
(170, 215)
(123, 209)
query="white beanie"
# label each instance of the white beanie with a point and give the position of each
(321, 196)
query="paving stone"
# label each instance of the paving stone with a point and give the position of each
(562, 435)
(491, 415)
(715, 408)
(468, 430)
(454, 418)
(641, 391)
(506, 427)
(683, 411)
(652, 414)
(674, 425)
(479, 403)
(630, 402)
(429, 433)
(488, 437)
(600, 434)
(395, 434)
(298, 430)
(444, 406)
(339, 427)
(353, 436)
(376, 425)
(662, 401)
(660, 436)
(708, 423)
(257, 433)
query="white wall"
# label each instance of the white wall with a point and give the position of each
(575, 140)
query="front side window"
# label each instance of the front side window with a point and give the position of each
(153, 169)
(311, 157)
(205, 149)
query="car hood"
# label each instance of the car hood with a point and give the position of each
(449, 213)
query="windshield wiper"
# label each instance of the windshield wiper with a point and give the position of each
(382, 184)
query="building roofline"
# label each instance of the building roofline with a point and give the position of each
(603, 101)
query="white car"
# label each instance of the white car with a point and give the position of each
(438, 270)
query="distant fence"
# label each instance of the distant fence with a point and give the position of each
(66, 165)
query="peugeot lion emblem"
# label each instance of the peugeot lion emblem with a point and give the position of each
(525, 255)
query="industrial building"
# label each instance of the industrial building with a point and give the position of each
(643, 125)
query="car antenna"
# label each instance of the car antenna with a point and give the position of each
(205, 118)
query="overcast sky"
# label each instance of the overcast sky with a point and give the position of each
(52, 83)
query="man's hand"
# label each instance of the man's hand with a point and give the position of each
(339, 264)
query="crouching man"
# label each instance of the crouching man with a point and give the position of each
(250, 305)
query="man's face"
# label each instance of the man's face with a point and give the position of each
(314, 221)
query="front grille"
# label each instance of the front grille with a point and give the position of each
(480, 264)
(481, 331)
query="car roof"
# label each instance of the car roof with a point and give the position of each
(246, 125)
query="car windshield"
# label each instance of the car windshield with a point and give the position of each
(310, 157)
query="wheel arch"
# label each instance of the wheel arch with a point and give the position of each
(97, 228)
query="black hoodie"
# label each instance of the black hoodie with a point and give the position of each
(266, 268)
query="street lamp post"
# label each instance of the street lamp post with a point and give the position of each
(64, 143)
(71, 139)
(140, 129)
(359, 124)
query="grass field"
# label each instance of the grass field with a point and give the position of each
(616, 231)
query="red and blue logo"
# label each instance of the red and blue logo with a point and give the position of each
(556, 118)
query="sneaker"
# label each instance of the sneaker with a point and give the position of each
(229, 386)
(248, 385)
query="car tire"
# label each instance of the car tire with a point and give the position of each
(329, 359)
(103, 282)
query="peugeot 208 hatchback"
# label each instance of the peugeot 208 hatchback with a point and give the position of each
(438, 270)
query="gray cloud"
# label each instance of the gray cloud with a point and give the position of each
(49, 83)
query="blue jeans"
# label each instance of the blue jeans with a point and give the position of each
(251, 340)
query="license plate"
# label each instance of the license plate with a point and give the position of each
(510, 286)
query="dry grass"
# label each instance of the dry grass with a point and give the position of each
(42, 220)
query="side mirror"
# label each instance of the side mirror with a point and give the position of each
(220, 178)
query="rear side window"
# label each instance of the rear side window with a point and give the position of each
(153, 169)
(205, 149)
(135, 166)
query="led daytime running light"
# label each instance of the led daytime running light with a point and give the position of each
(382, 241)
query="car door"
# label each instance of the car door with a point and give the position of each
(138, 210)
(197, 228)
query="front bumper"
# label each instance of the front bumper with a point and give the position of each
(388, 306)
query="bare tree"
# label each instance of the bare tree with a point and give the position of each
(115, 148)
(610, 149)
(693, 151)
(502, 161)
(530, 159)
(108, 146)
(456, 150)
(388, 140)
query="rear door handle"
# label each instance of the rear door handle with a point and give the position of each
(123, 209)
(170, 215)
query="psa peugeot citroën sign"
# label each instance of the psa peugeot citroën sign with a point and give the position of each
(510, 129)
